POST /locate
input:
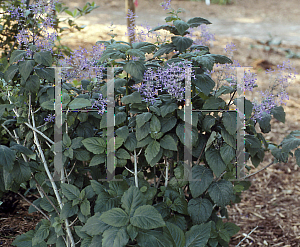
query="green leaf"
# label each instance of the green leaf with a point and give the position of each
(227, 153)
(200, 210)
(221, 192)
(25, 68)
(122, 132)
(204, 177)
(115, 217)
(205, 61)
(132, 231)
(131, 200)
(41, 234)
(131, 142)
(48, 105)
(215, 161)
(145, 47)
(147, 217)
(79, 103)
(167, 124)
(135, 69)
(168, 108)
(70, 191)
(208, 122)
(96, 241)
(135, 53)
(297, 155)
(174, 234)
(135, 97)
(22, 149)
(213, 103)
(180, 133)
(21, 172)
(229, 120)
(122, 154)
(252, 141)
(16, 56)
(248, 107)
(85, 207)
(167, 142)
(143, 131)
(141, 119)
(96, 145)
(224, 90)
(204, 83)
(24, 240)
(11, 72)
(46, 73)
(264, 123)
(198, 235)
(155, 125)
(164, 49)
(7, 157)
(181, 26)
(220, 58)
(197, 21)
(180, 205)
(229, 139)
(120, 118)
(278, 113)
(231, 228)
(68, 210)
(152, 150)
(94, 226)
(115, 237)
(169, 28)
(291, 141)
(181, 43)
(152, 238)
(156, 158)
(43, 57)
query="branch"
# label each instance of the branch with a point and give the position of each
(41, 133)
(34, 206)
(246, 237)
(250, 175)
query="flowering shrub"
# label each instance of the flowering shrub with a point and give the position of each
(149, 201)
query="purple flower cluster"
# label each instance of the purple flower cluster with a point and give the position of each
(166, 4)
(169, 80)
(100, 104)
(49, 118)
(276, 93)
(83, 63)
(131, 29)
(205, 38)
(229, 49)
(40, 13)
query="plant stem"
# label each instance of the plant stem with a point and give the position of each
(167, 172)
(135, 170)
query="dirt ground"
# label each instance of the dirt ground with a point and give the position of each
(271, 207)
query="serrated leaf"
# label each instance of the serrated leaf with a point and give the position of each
(227, 153)
(213, 103)
(200, 210)
(131, 200)
(131, 142)
(68, 210)
(115, 237)
(123, 132)
(145, 47)
(94, 226)
(297, 155)
(198, 235)
(21, 172)
(135, 53)
(115, 217)
(85, 207)
(48, 105)
(147, 217)
(25, 68)
(164, 49)
(204, 177)
(167, 142)
(143, 131)
(135, 69)
(153, 238)
(79, 103)
(215, 161)
(168, 108)
(98, 159)
(278, 113)
(135, 97)
(208, 122)
(120, 118)
(174, 234)
(141, 119)
(122, 154)
(229, 120)
(11, 72)
(221, 192)
(43, 57)
(70, 191)
(197, 21)
(96, 145)
(181, 26)
(22, 149)
(155, 125)
(181, 43)
(17, 55)
(152, 150)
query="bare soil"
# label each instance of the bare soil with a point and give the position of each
(272, 204)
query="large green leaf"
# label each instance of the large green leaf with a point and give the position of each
(123, 154)
(48, 105)
(11, 72)
(41, 234)
(33, 84)
(167, 142)
(85, 207)
(152, 150)
(123, 132)
(115, 217)
(198, 235)
(180, 205)
(205, 61)
(70, 191)
(200, 210)
(135, 69)
(202, 178)
(278, 113)
(7, 157)
(131, 142)
(132, 199)
(155, 125)
(17, 55)
(68, 210)
(291, 141)
(221, 192)
(153, 238)
(204, 83)
(181, 43)
(220, 58)
(21, 172)
(197, 21)
(145, 47)
(143, 131)
(120, 118)
(43, 57)
(169, 28)
(164, 49)
(229, 120)
(46, 73)
(135, 53)
(96, 145)
(180, 129)
(227, 153)
(297, 155)
(79, 103)
(135, 97)
(141, 119)
(115, 237)
(147, 217)
(25, 68)
(24, 240)
(229, 139)
(208, 122)
(94, 226)
(215, 161)
(22, 149)
(168, 108)
(181, 26)
(213, 103)
(174, 234)
(167, 124)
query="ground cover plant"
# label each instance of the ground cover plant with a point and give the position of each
(137, 209)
